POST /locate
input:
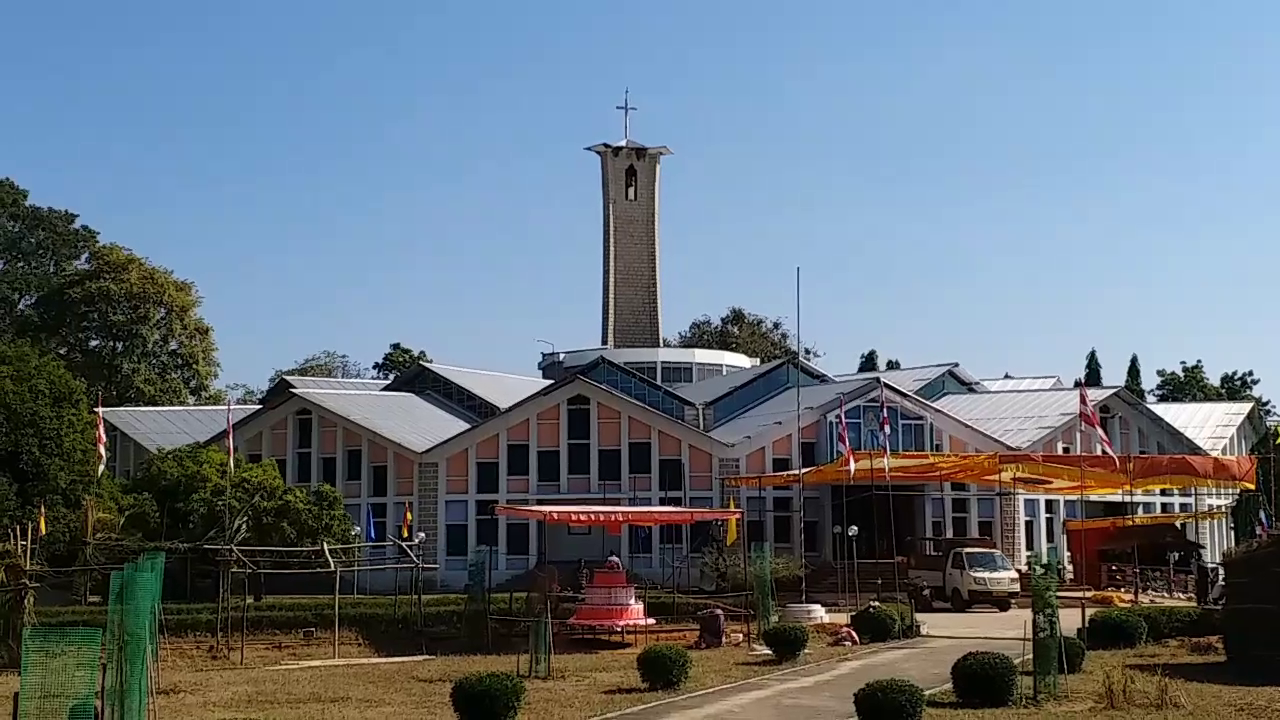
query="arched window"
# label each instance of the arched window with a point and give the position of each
(630, 179)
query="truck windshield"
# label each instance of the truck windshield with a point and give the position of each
(990, 561)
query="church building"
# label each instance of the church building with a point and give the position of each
(634, 423)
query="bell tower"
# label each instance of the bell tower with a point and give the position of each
(631, 309)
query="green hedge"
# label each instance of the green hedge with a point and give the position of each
(363, 614)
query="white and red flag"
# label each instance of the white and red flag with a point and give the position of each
(1089, 419)
(884, 428)
(842, 440)
(231, 440)
(102, 440)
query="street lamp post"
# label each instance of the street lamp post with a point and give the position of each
(857, 593)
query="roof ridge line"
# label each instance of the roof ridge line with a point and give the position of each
(483, 372)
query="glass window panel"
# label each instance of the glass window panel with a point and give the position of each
(455, 511)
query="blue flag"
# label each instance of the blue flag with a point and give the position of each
(370, 535)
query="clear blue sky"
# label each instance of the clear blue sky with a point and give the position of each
(1000, 183)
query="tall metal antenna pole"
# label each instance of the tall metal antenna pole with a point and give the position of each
(804, 588)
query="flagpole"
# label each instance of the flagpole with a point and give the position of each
(1084, 554)
(888, 479)
(804, 586)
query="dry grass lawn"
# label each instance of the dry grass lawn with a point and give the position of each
(1177, 679)
(587, 681)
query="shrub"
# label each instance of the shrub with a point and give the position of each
(889, 699)
(876, 623)
(985, 679)
(664, 667)
(487, 696)
(1176, 621)
(786, 640)
(1116, 629)
(1071, 655)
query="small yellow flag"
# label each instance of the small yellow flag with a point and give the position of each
(731, 535)
(42, 526)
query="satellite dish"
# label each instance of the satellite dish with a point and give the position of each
(853, 531)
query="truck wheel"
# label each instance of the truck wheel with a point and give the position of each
(1003, 605)
(957, 601)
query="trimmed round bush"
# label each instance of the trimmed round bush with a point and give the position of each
(889, 699)
(786, 640)
(1071, 655)
(664, 667)
(876, 623)
(1116, 629)
(985, 679)
(487, 696)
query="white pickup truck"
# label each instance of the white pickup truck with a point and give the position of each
(963, 572)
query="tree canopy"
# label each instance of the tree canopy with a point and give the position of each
(1092, 369)
(129, 329)
(1133, 378)
(893, 364)
(743, 332)
(1191, 383)
(324, 364)
(869, 361)
(46, 441)
(189, 499)
(397, 359)
(40, 249)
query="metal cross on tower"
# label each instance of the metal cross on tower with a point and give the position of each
(626, 109)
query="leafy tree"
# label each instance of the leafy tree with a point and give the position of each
(893, 364)
(131, 330)
(743, 332)
(46, 443)
(1133, 378)
(238, 393)
(1008, 375)
(397, 359)
(192, 499)
(1190, 383)
(1092, 369)
(40, 248)
(324, 364)
(869, 361)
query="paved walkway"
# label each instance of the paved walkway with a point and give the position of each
(825, 692)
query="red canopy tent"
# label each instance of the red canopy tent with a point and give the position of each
(613, 517)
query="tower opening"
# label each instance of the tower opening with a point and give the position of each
(630, 182)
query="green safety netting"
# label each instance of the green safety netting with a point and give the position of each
(59, 673)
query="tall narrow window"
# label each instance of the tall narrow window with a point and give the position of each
(630, 179)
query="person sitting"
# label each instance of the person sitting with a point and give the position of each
(612, 562)
(846, 637)
(711, 629)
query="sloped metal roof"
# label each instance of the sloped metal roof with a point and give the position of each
(912, 379)
(162, 428)
(1031, 382)
(781, 408)
(319, 383)
(704, 391)
(501, 389)
(400, 417)
(1209, 424)
(1020, 417)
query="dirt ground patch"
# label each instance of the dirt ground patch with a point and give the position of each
(592, 676)
(1176, 679)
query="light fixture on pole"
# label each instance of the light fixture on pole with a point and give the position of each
(852, 531)
(838, 533)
